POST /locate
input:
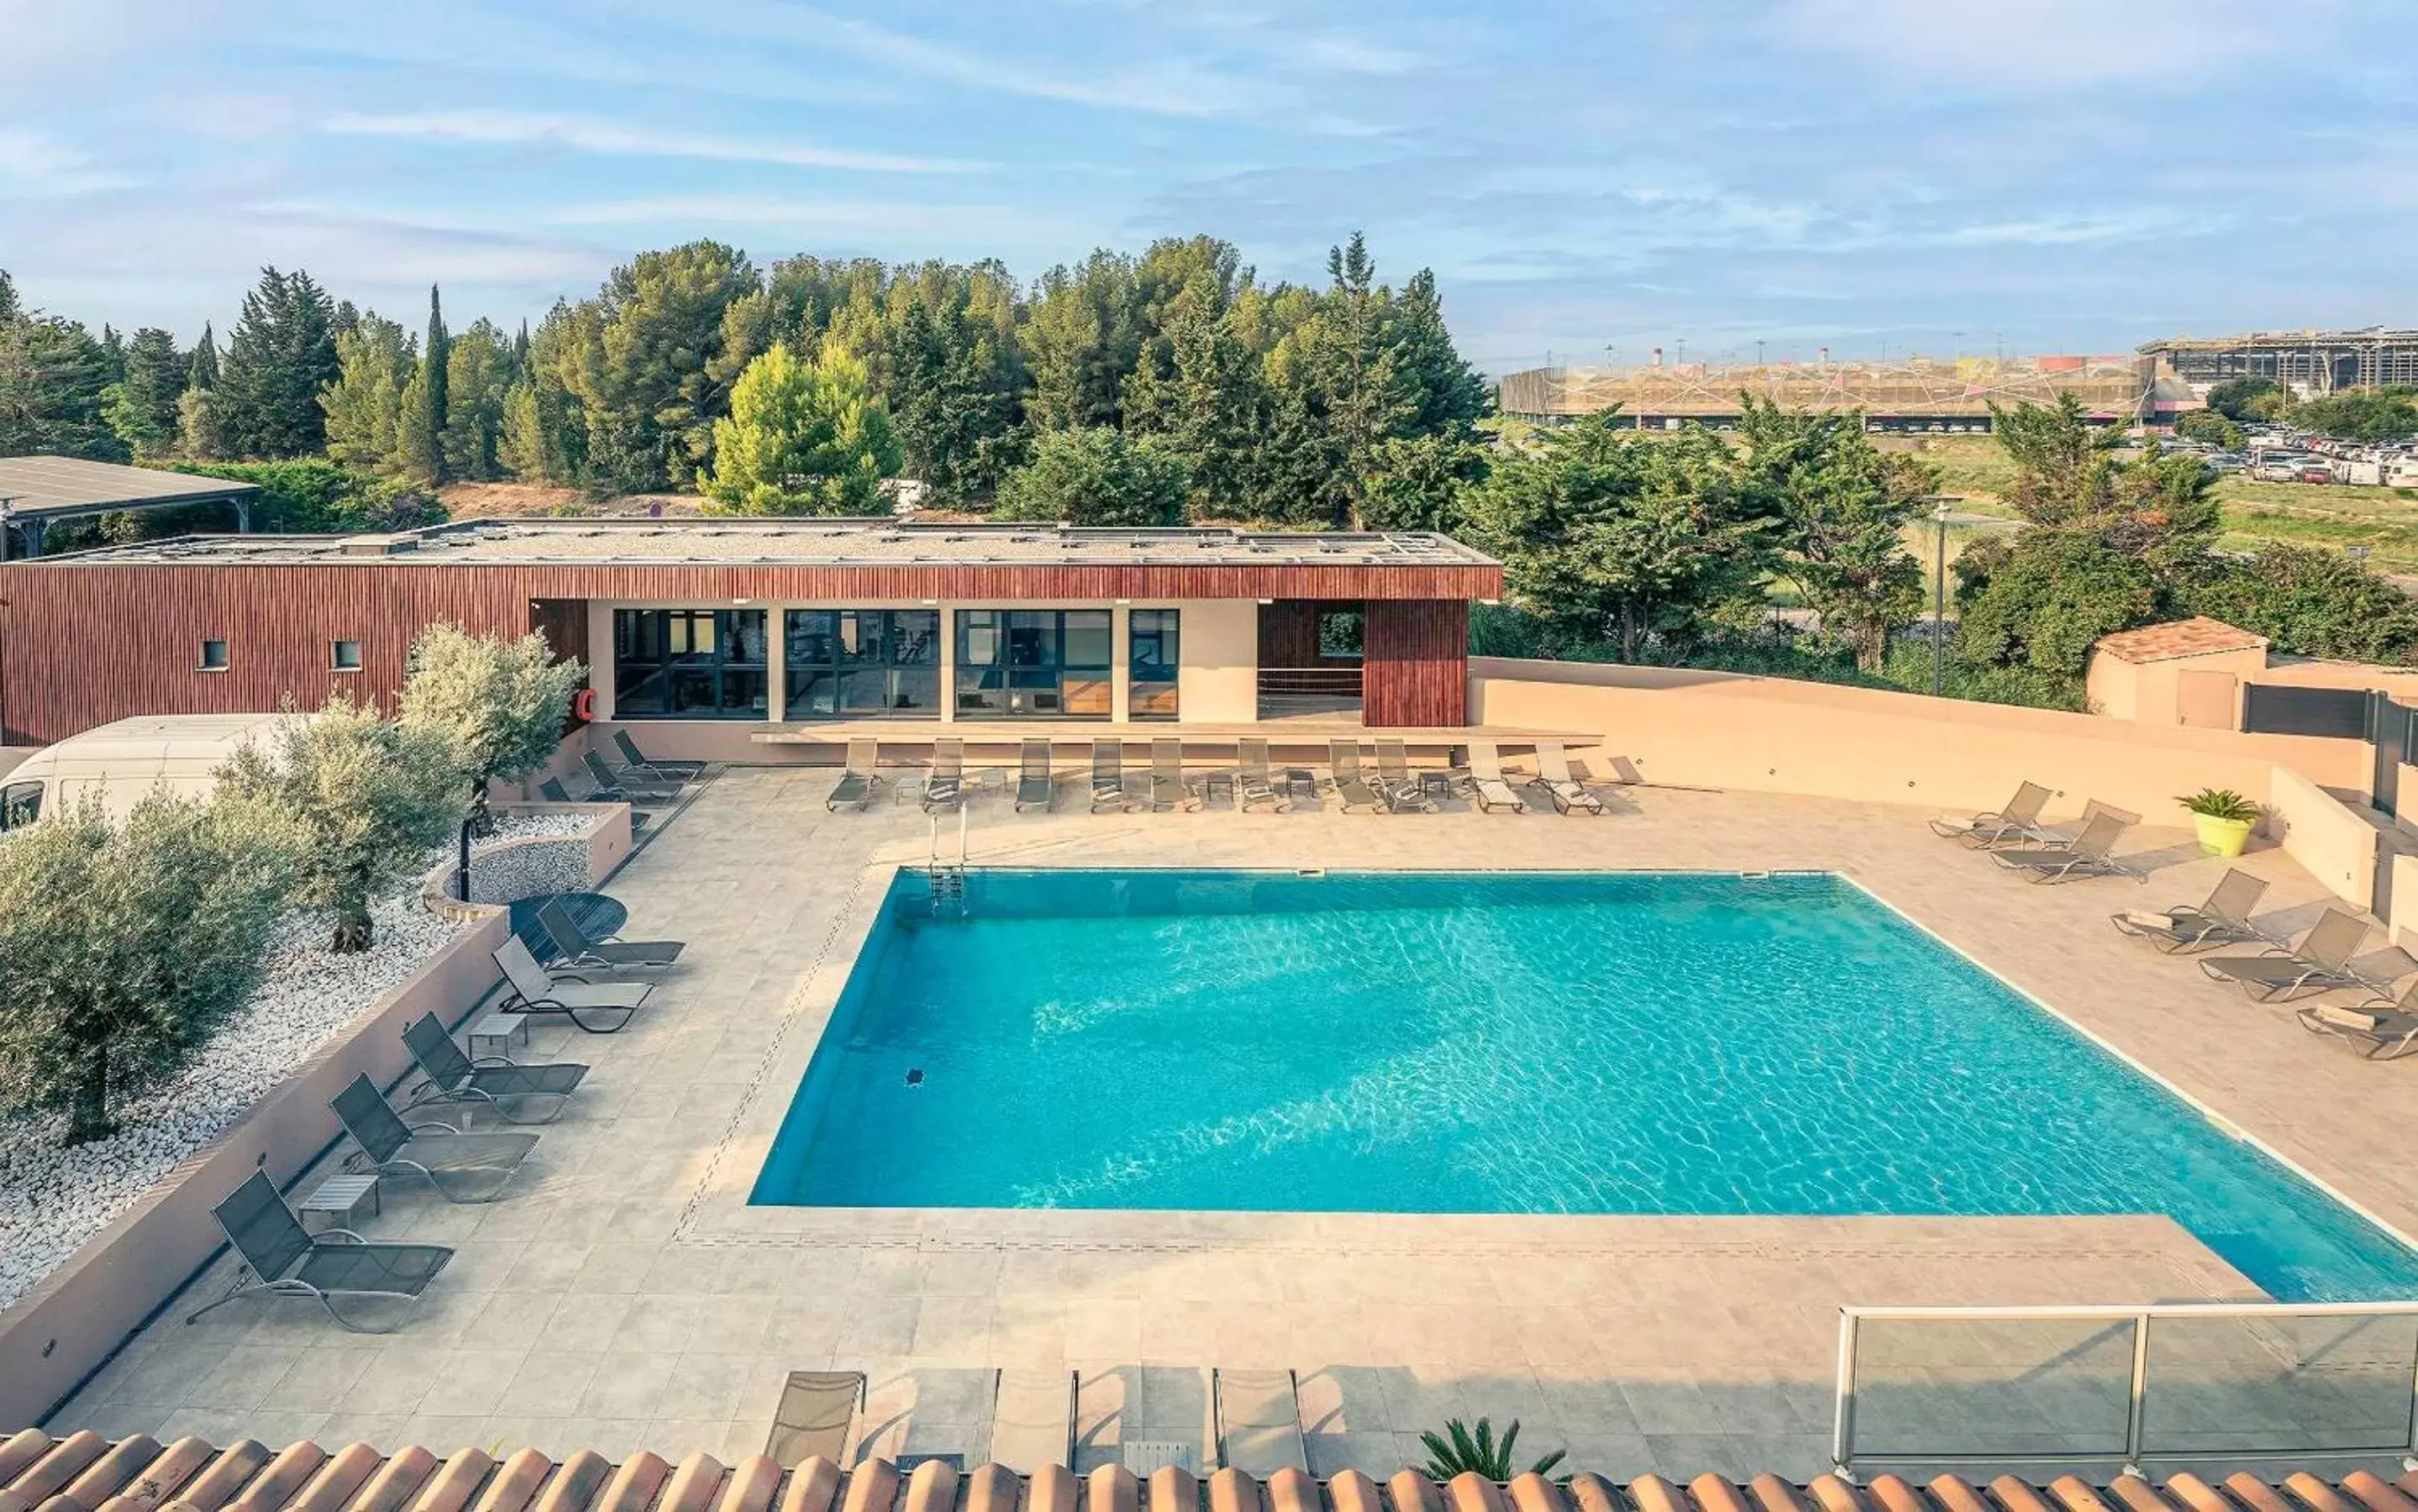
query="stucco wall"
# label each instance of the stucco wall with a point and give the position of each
(2331, 842)
(2149, 692)
(1720, 730)
(1218, 681)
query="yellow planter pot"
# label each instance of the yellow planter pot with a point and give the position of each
(2222, 837)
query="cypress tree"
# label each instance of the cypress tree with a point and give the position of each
(436, 353)
(204, 373)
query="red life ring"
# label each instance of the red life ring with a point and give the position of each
(583, 705)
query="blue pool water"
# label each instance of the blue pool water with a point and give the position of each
(1500, 1043)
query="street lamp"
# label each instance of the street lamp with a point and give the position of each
(1939, 515)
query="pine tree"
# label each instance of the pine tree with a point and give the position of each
(9, 307)
(141, 405)
(204, 373)
(436, 356)
(364, 406)
(802, 438)
(1446, 394)
(479, 370)
(279, 358)
(416, 446)
(54, 376)
(637, 358)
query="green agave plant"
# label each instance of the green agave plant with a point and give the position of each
(2220, 803)
(1478, 1451)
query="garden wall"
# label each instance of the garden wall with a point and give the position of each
(1718, 729)
(2331, 840)
(79, 1314)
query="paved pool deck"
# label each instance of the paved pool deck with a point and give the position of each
(624, 1296)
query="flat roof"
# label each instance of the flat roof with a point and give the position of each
(54, 486)
(884, 541)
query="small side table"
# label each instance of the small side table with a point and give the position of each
(339, 1202)
(496, 1033)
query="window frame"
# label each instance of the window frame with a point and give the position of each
(713, 667)
(336, 662)
(797, 674)
(12, 797)
(1029, 665)
(226, 655)
(1164, 672)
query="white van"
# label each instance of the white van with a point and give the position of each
(119, 763)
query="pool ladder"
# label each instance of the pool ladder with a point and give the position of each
(946, 879)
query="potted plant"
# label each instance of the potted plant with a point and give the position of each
(2224, 818)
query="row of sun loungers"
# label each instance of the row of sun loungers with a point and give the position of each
(634, 779)
(363, 1284)
(2040, 852)
(1388, 787)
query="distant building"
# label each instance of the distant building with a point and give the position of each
(2308, 361)
(1920, 394)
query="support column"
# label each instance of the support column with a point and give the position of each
(1119, 663)
(243, 516)
(948, 662)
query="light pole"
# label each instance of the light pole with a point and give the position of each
(1940, 512)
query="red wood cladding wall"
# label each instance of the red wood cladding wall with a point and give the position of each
(84, 644)
(1289, 633)
(1415, 668)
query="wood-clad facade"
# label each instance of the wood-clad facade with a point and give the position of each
(86, 642)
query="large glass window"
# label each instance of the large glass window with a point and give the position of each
(862, 663)
(1051, 664)
(688, 663)
(1150, 680)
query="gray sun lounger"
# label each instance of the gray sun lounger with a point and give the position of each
(1258, 1422)
(635, 760)
(1343, 775)
(2321, 961)
(610, 954)
(531, 990)
(1486, 779)
(2018, 821)
(2384, 1029)
(622, 787)
(1035, 783)
(944, 784)
(447, 1076)
(814, 1415)
(1032, 1419)
(2222, 920)
(1167, 787)
(1559, 783)
(2089, 855)
(464, 1168)
(855, 787)
(1394, 782)
(281, 1258)
(1109, 777)
(1253, 782)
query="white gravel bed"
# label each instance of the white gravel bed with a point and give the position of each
(53, 1199)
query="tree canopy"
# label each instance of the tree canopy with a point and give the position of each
(1095, 476)
(802, 438)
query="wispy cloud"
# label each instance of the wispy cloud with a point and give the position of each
(1167, 86)
(37, 166)
(2042, 44)
(584, 133)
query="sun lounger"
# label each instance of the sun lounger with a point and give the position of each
(1035, 783)
(635, 760)
(531, 990)
(1109, 777)
(1559, 783)
(2222, 920)
(1253, 783)
(1032, 1419)
(489, 1081)
(626, 788)
(2382, 1029)
(1167, 787)
(464, 1168)
(1399, 789)
(1343, 775)
(2089, 855)
(1486, 779)
(944, 781)
(858, 781)
(2319, 962)
(611, 953)
(1258, 1422)
(554, 792)
(281, 1258)
(812, 1418)
(2018, 821)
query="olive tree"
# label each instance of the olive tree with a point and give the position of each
(370, 798)
(124, 947)
(497, 705)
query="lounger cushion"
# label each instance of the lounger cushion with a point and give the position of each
(2146, 919)
(2350, 1018)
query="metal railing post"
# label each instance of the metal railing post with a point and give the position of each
(1843, 1431)
(2141, 1393)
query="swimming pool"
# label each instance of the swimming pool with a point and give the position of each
(1580, 1042)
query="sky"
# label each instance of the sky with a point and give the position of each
(1587, 180)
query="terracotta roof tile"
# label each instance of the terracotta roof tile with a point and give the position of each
(2196, 636)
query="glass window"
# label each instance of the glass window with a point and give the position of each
(1340, 632)
(863, 664)
(1047, 664)
(20, 803)
(688, 663)
(1151, 677)
(214, 656)
(345, 656)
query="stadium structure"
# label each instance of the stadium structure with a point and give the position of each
(1919, 394)
(2306, 362)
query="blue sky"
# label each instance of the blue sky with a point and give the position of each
(1914, 175)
